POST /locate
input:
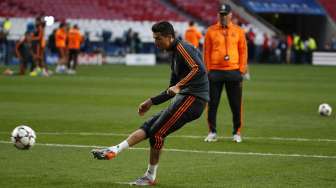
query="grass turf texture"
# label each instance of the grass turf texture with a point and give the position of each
(280, 101)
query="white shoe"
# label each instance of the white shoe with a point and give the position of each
(71, 71)
(143, 181)
(61, 69)
(247, 76)
(212, 137)
(45, 73)
(237, 138)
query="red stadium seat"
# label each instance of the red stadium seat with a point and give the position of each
(205, 10)
(88, 9)
(330, 7)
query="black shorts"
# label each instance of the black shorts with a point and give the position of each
(183, 109)
(73, 54)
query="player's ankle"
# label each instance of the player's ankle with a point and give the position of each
(151, 171)
(120, 147)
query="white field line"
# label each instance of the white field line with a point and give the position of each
(187, 136)
(193, 151)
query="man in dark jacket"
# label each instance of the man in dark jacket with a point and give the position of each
(188, 90)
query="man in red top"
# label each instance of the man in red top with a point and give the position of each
(289, 49)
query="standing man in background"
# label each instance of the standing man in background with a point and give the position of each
(24, 52)
(38, 45)
(225, 56)
(192, 35)
(60, 41)
(4, 32)
(74, 42)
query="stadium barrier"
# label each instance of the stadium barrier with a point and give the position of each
(90, 59)
(324, 58)
(140, 59)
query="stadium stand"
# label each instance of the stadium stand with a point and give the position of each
(93, 16)
(330, 7)
(88, 9)
(204, 10)
(116, 17)
(201, 9)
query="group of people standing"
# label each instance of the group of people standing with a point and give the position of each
(30, 49)
(68, 42)
(289, 49)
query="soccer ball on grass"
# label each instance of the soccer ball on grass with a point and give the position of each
(23, 137)
(324, 109)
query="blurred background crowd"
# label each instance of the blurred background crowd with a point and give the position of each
(287, 31)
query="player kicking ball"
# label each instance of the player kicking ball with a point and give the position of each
(188, 90)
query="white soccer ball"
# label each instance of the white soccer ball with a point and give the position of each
(23, 137)
(324, 109)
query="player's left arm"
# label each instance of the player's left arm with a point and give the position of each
(192, 62)
(242, 50)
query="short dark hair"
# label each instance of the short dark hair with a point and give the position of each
(191, 23)
(164, 27)
(62, 24)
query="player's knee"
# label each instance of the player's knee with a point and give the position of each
(156, 142)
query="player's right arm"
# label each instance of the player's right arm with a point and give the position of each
(144, 107)
(166, 94)
(161, 98)
(207, 48)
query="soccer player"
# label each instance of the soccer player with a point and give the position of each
(74, 41)
(225, 56)
(188, 90)
(60, 41)
(192, 35)
(38, 46)
(23, 50)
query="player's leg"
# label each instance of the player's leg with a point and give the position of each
(72, 61)
(60, 68)
(216, 88)
(23, 66)
(185, 109)
(42, 63)
(75, 59)
(134, 138)
(58, 63)
(32, 64)
(234, 94)
(39, 57)
(70, 58)
(111, 152)
(149, 177)
(36, 69)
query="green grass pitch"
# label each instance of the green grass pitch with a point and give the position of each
(286, 143)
